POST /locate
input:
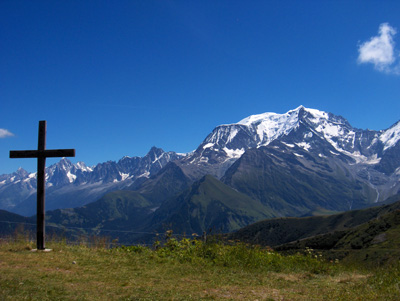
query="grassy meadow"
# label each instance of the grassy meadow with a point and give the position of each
(183, 270)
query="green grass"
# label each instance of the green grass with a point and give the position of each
(183, 270)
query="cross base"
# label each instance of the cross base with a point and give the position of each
(43, 250)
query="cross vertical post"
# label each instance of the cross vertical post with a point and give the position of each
(41, 186)
(41, 154)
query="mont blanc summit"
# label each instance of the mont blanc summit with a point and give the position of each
(309, 129)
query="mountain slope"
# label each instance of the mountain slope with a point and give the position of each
(168, 182)
(208, 204)
(116, 211)
(295, 182)
(11, 223)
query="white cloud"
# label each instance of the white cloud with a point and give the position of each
(5, 133)
(380, 51)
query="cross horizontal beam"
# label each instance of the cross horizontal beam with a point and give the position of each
(48, 153)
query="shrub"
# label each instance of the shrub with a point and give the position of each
(234, 254)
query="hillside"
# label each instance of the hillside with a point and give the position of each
(273, 232)
(9, 222)
(375, 243)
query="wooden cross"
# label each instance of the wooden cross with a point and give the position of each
(41, 154)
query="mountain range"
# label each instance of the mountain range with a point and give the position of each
(301, 163)
(72, 185)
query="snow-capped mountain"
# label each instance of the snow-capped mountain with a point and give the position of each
(369, 158)
(391, 137)
(301, 126)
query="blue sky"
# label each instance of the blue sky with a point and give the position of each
(114, 78)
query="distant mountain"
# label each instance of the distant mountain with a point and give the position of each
(72, 185)
(304, 162)
(370, 157)
(303, 126)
